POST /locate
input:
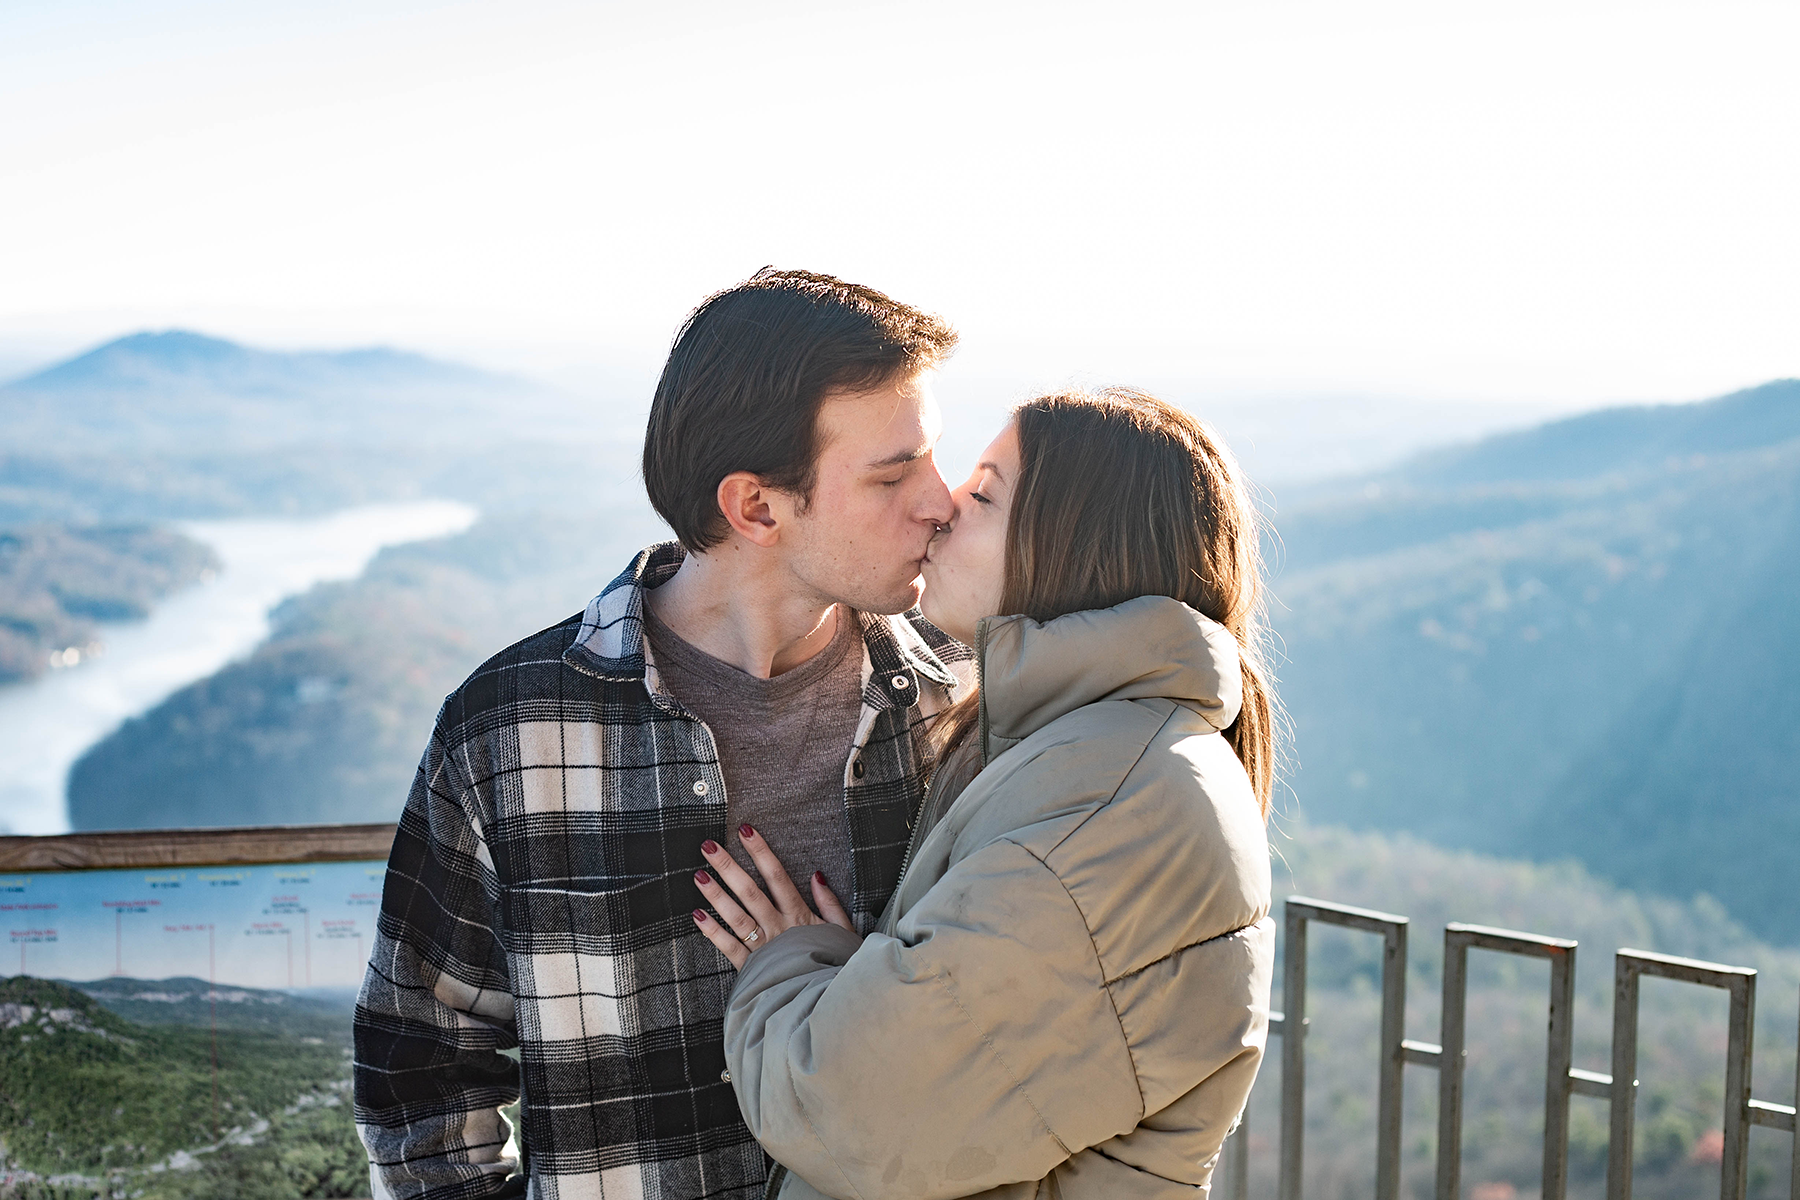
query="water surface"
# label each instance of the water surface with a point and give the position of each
(47, 723)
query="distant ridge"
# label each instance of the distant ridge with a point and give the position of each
(184, 1000)
(181, 391)
(180, 358)
(1618, 440)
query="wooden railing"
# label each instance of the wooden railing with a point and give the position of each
(248, 846)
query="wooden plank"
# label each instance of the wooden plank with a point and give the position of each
(197, 847)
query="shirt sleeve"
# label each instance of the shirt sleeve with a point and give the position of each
(436, 1008)
(937, 1063)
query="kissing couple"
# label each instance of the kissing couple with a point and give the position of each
(872, 839)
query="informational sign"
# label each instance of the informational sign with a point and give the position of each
(281, 926)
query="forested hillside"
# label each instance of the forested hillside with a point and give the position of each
(1578, 642)
(57, 581)
(327, 719)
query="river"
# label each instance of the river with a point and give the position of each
(46, 724)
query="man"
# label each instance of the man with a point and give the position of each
(752, 679)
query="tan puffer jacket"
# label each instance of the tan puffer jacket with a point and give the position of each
(1069, 994)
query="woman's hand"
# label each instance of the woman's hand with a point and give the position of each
(749, 920)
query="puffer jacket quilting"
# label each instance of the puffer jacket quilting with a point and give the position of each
(1069, 993)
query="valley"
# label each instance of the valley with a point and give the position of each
(1542, 681)
(1566, 644)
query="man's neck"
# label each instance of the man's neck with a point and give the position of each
(743, 613)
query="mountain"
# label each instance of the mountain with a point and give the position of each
(175, 424)
(183, 391)
(1579, 641)
(1620, 441)
(176, 361)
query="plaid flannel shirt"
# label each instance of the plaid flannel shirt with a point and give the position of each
(539, 899)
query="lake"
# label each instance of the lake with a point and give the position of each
(46, 724)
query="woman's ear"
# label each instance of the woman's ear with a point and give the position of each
(745, 504)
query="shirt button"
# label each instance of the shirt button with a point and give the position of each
(724, 1076)
(901, 681)
(699, 787)
(856, 768)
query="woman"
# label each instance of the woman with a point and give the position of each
(1068, 994)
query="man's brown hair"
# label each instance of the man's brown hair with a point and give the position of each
(746, 378)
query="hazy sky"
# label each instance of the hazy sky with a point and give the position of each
(1559, 203)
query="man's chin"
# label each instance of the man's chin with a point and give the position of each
(902, 599)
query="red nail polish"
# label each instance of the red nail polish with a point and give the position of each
(746, 831)
(818, 877)
(702, 878)
(709, 847)
(699, 916)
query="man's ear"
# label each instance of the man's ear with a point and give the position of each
(745, 502)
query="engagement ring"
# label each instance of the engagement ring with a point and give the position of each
(752, 935)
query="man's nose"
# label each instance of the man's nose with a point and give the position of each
(939, 507)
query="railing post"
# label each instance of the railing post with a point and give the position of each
(1450, 1070)
(1395, 1050)
(1458, 940)
(1734, 1179)
(1293, 1050)
(1794, 1165)
(1558, 1058)
(1393, 1060)
(1624, 1077)
(1740, 1110)
(1234, 1159)
(1237, 1157)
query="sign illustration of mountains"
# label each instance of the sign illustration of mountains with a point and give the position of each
(262, 926)
(160, 1106)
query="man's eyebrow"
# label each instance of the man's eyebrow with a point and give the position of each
(900, 459)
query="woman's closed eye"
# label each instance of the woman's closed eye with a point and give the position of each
(979, 498)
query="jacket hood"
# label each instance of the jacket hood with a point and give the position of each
(1033, 672)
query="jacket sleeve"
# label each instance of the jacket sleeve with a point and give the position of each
(937, 1063)
(436, 1008)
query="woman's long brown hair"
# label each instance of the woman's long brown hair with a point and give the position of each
(1122, 495)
